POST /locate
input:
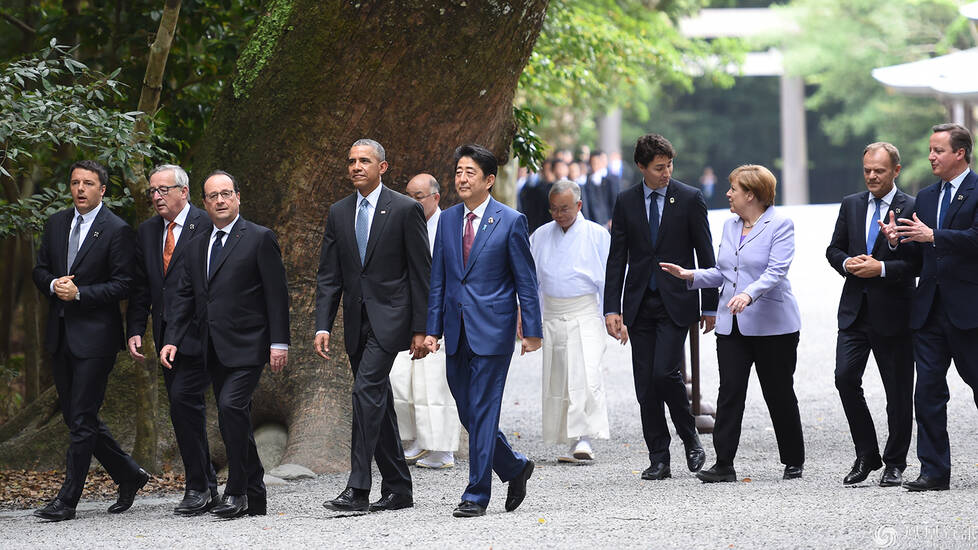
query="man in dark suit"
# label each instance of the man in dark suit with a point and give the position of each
(83, 266)
(662, 220)
(873, 316)
(374, 256)
(233, 290)
(480, 267)
(600, 191)
(162, 242)
(941, 241)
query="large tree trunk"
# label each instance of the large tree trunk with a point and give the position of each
(419, 77)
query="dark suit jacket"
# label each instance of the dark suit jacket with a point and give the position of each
(599, 200)
(391, 284)
(93, 324)
(683, 229)
(244, 307)
(951, 261)
(153, 291)
(886, 297)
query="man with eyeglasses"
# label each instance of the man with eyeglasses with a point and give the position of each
(162, 242)
(233, 290)
(426, 414)
(570, 255)
(84, 268)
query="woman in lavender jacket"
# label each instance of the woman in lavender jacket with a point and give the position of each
(758, 325)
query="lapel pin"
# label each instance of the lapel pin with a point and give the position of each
(190, 227)
(383, 211)
(960, 197)
(672, 200)
(491, 220)
(95, 234)
(897, 210)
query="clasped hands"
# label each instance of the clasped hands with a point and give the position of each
(65, 289)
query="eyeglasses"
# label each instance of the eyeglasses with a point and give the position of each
(226, 194)
(420, 196)
(561, 211)
(162, 190)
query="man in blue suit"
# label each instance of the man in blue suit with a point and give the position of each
(941, 242)
(480, 267)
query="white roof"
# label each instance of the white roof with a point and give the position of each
(950, 75)
(737, 23)
(969, 10)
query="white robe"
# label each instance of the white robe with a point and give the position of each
(423, 403)
(570, 268)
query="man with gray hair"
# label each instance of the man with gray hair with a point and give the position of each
(162, 242)
(570, 255)
(427, 416)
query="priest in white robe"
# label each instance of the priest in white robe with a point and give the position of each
(570, 254)
(427, 417)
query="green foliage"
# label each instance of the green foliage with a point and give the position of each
(841, 41)
(593, 55)
(29, 215)
(527, 145)
(49, 101)
(261, 45)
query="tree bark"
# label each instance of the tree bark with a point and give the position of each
(419, 77)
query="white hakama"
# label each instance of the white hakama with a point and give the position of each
(425, 408)
(570, 269)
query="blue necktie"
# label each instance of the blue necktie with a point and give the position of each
(945, 204)
(361, 229)
(874, 228)
(216, 249)
(653, 233)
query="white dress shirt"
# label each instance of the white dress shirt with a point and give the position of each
(955, 183)
(181, 220)
(479, 212)
(372, 200)
(433, 229)
(82, 233)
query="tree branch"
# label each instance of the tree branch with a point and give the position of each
(24, 27)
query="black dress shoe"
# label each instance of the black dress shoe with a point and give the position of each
(659, 470)
(892, 477)
(469, 509)
(257, 505)
(517, 487)
(392, 501)
(695, 455)
(924, 483)
(127, 492)
(56, 510)
(716, 474)
(195, 502)
(232, 506)
(792, 472)
(350, 500)
(861, 469)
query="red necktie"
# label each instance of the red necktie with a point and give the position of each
(168, 246)
(467, 237)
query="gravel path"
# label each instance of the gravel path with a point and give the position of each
(605, 503)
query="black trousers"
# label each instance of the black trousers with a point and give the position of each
(233, 388)
(374, 434)
(894, 356)
(775, 358)
(934, 346)
(186, 383)
(657, 352)
(81, 383)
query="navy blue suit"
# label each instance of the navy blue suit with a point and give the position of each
(475, 306)
(944, 316)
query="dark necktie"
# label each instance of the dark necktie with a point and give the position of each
(945, 204)
(468, 237)
(73, 241)
(216, 249)
(653, 234)
(874, 228)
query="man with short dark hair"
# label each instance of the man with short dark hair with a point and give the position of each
(941, 241)
(873, 316)
(374, 256)
(663, 220)
(84, 267)
(234, 290)
(161, 249)
(481, 266)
